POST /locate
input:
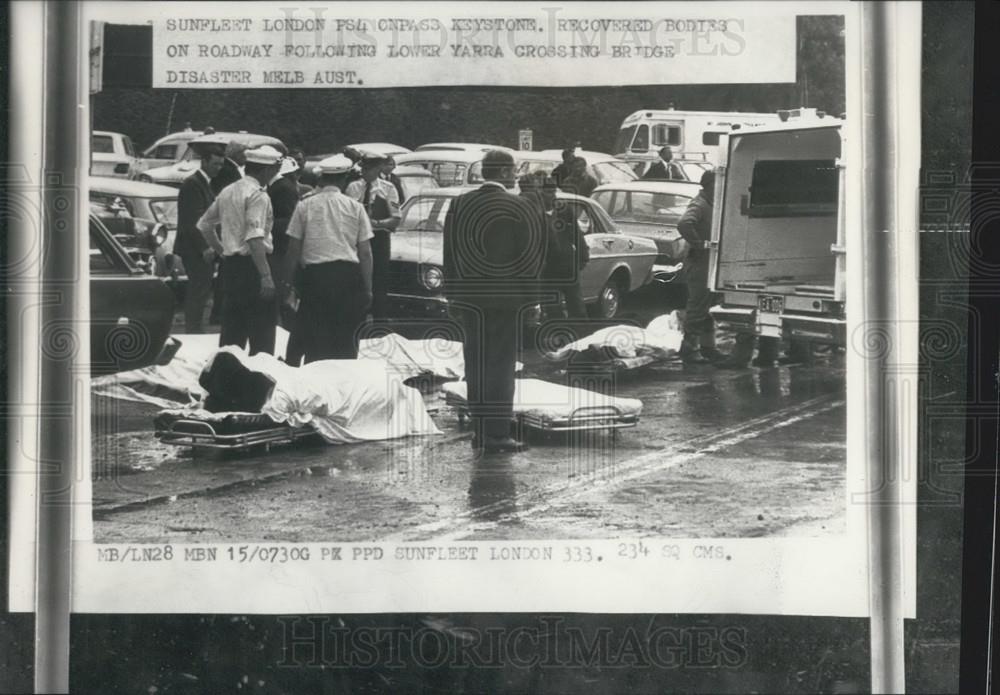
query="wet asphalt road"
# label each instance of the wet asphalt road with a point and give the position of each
(757, 452)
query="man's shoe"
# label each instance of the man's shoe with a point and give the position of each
(502, 445)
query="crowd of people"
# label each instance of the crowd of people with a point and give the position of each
(315, 260)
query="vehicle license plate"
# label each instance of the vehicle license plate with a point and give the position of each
(771, 303)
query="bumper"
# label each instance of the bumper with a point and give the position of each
(667, 273)
(412, 305)
(814, 328)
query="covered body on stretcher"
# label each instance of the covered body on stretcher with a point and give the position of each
(556, 408)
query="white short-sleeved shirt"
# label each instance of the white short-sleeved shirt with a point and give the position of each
(243, 209)
(380, 188)
(330, 226)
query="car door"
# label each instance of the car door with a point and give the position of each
(604, 247)
(130, 312)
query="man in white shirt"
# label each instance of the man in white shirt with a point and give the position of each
(381, 201)
(243, 209)
(330, 235)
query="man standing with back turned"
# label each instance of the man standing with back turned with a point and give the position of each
(243, 209)
(494, 248)
(382, 203)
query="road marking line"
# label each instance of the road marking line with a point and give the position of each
(560, 493)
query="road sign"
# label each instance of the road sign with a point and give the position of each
(524, 139)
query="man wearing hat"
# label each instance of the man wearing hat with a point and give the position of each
(243, 210)
(330, 235)
(381, 201)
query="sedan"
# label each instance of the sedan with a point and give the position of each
(650, 209)
(131, 312)
(603, 167)
(138, 209)
(619, 263)
(112, 154)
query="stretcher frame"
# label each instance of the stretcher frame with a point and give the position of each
(204, 436)
(584, 418)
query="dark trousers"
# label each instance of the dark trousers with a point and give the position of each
(381, 245)
(245, 316)
(490, 350)
(697, 319)
(331, 311)
(199, 288)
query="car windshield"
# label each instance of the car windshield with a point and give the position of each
(446, 173)
(165, 211)
(530, 166)
(624, 139)
(424, 214)
(413, 185)
(613, 172)
(694, 170)
(647, 207)
(102, 144)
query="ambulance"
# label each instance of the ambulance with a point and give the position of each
(777, 249)
(690, 134)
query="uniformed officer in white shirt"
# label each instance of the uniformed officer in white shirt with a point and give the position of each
(243, 210)
(330, 237)
(382, 204)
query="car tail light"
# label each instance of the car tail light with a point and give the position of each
(121, 168)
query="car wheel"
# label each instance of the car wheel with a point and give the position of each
(609, 301)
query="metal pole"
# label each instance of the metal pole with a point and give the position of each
(58, 444)
(880, 232)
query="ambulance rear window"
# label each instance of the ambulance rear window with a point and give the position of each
(793, 187)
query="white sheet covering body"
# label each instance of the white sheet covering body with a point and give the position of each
(661, 339)
(177, 382)
(346, 401)
(547, 401)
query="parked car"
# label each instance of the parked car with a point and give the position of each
(448, 167)
(131, 312)
(139, 207)
(167, 150)
(415, 180)
(462, 147)
(112, 154)
(174, 174)
(651, 210)
(692, 167)
(619, 263)
(603, 167)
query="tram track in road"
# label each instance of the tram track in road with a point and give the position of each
(540, 501)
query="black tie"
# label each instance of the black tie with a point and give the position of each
(368, 196)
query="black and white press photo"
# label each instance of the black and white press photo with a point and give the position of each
(380, 293)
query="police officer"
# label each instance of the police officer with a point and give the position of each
(243, 210)
(381, 201)
(330, 237)
(695, 226)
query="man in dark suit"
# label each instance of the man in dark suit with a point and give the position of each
(192, 201)
(494, 251)
(665, 169)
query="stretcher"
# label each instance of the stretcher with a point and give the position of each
(226, 431)
(548, 407)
